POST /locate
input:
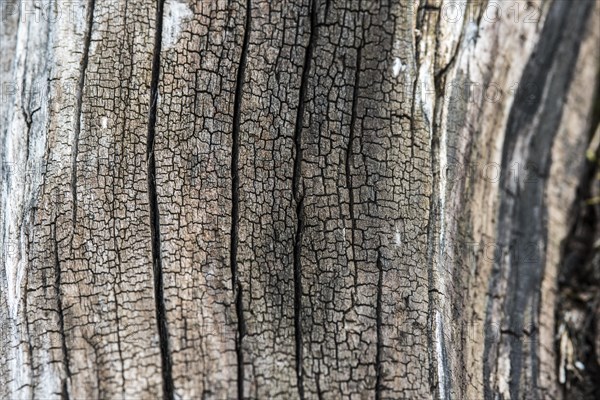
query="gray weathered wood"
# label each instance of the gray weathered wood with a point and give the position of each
(312, 199)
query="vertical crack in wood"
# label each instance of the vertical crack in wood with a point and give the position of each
(379, 323)
(119, 345)
(79, 104)
(299, 197)
(61, 316)
(161, 318)
(28, 333)
(298, 295)
(355, 92)
(236, 285)
(117, 284)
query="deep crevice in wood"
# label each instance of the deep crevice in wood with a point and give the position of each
(236, 285)
(299, 196)
(79, 105)
(61, 315)
(379, 323)
(161, 317)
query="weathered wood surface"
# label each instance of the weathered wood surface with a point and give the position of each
(307, 199)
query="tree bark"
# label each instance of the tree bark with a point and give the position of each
(311, 199)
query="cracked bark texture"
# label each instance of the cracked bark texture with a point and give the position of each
(307, 199)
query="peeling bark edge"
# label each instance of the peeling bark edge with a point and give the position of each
(161, 318)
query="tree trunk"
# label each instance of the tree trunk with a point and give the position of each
(311, 199)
